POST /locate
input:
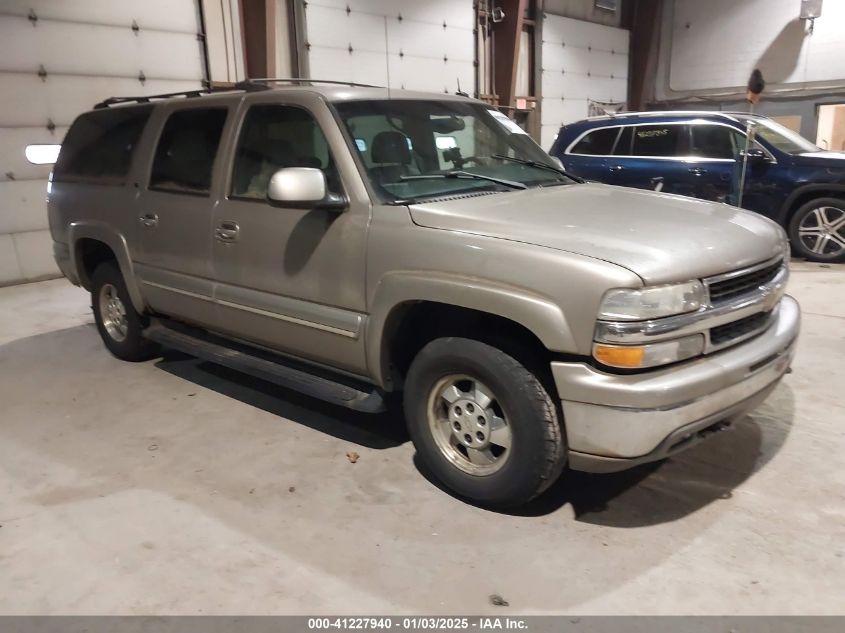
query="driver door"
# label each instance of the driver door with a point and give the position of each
(291, 279)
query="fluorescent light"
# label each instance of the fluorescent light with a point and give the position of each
(42, 154)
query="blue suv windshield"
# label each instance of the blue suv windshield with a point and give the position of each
(782, 138)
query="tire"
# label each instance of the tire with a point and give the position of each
(817, 230)
(479, 387)
(119, 325)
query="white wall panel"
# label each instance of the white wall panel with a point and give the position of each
(224, 39)
(22, 205)
(159, 54)
(35, 254)
(430, 48)
(581, 62)
(26, 100)
(88, 51)
(162, 15)
(10, 270)
(716, 44)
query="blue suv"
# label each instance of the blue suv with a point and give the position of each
(700, 154)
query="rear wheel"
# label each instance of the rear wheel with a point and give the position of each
(817, 230)
(119, 325)
(482, 423)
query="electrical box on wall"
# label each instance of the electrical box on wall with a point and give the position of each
(811, 9)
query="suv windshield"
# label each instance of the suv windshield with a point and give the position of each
(412, 149)
(782, 138)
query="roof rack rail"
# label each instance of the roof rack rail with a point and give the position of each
(247, 85)
(304, 80)
(661, 113)
(188, 94)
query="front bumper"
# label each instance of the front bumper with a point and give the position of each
(617, 421)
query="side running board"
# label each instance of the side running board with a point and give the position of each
(253, 362)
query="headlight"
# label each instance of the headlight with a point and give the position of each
(639, 304)
(651, 355)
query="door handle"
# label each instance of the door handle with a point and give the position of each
(616, 168)
(226, 231)
(150, 220)
(697, 171)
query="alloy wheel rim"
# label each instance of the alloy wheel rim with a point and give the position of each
(113, 313)
(822, 231)
(469, 425)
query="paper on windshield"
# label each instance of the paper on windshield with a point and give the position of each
(507, 123)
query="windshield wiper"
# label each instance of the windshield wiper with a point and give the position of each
(467, 175)
(534, 163)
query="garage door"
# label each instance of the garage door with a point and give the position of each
(582, 62)
(56, 60)
(404, 43)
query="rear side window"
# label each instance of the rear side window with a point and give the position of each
(623, 145)
(186, 149)
(597, 143)
(99, 145)
(657, 140)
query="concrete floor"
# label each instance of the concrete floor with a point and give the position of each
(179, 487)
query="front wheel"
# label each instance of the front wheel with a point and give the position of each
(482, 423)
(817, 230)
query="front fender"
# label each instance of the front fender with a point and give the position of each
(542, 316)
(106, 234)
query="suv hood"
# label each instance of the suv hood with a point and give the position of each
(662, 238)
(831, 160)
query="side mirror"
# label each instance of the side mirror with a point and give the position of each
(755, 155)
(302, 187)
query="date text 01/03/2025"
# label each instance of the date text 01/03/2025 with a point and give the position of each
(417, 623)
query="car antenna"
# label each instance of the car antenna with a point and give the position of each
(460, 93)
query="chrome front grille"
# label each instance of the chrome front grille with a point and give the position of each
(727, 287)
(736, 331)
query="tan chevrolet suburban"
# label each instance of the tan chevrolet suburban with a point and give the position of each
(350, 242)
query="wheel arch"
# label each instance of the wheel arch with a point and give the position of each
(804, 194)
(411, 308)
(90, 244)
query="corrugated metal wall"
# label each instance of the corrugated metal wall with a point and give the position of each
(56, 60)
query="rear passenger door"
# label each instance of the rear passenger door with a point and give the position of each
(175, 204)
(651, 157)
(714, 150)
(588, 155)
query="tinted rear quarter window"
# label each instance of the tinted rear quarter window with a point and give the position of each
(99, 145)
(186, 150)
(597, 143)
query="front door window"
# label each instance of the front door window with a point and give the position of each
(274, 137)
